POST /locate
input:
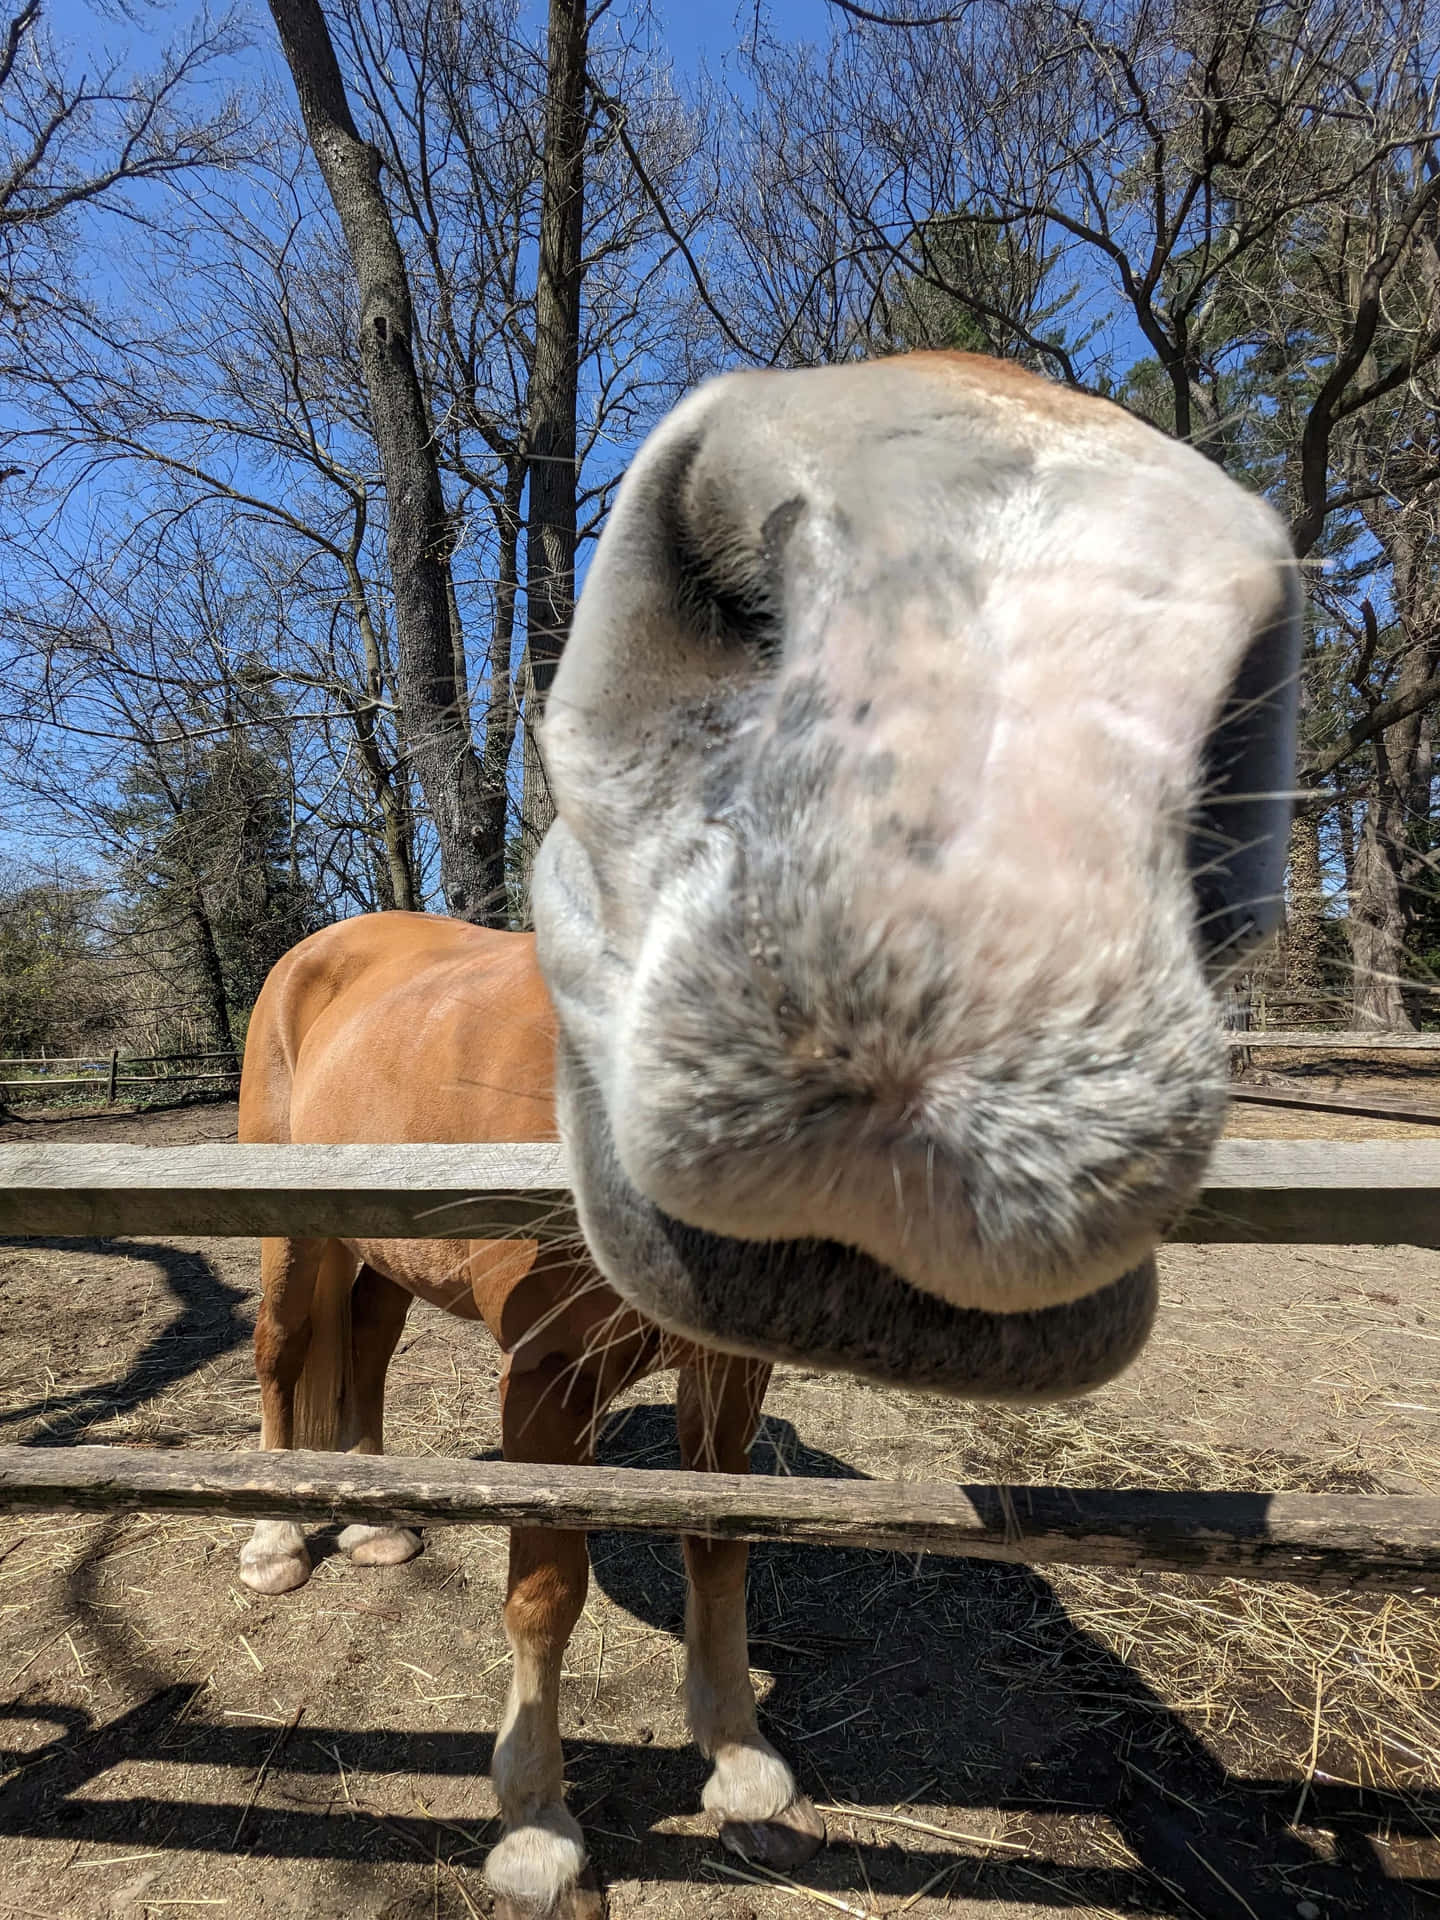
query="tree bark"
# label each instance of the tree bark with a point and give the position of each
(1304, 913)
(536, 808)
(396, 873)
(1390, 862)
(502, 713)
(1377, 921)
(553, 394)
(434, 722)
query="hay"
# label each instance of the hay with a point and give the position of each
(1359, 1675)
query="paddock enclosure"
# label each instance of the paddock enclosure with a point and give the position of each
(989, 1737)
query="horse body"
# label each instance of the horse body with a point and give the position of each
(406, 1027)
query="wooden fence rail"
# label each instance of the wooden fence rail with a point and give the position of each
(1323, 1540)
(49, 1082)
(112, 1072)
(99, 1060)
(1280, 1192)
(1317, 1040)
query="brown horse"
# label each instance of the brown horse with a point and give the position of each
(921, 757)
(406, 1027)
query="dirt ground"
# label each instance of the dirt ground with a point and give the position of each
(987, 1741)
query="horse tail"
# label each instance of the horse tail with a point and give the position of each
(326, 1384)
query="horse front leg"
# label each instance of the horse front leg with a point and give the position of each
(539, 1867)
(751, 1793)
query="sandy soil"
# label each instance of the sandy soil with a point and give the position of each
(999, 1744)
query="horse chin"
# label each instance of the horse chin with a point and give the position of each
(827, 1305)
(821, 1304)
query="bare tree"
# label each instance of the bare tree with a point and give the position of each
(80, 142)
(137, 712)
(234, 387)
(247, 399)
(554, 386)
(435, 720)
(539, 268)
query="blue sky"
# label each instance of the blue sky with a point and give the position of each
(695, 30)
(709, 29)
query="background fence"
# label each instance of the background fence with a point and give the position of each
(107, 1075)
(31, 1075)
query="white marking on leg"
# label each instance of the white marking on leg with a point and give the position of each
(751, 1793)
(273, 1559)
(379, 1546)
(750, 1780)
(543, 1851)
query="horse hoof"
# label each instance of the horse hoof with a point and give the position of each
(539, 1871)
(583, 1901)
(783, 1843)
(379, 1546)
(273, 1559)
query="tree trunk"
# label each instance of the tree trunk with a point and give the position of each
(1304, 913)
(396, 873)
(536, 809)
(434, 722)
(212, 974)
(1377, 920)
(553, 390)
(502, 713)
(1347, 839)
(1391, 862)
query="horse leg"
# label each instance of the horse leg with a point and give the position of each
(274, 1559)
(751, 1793)
(377, 1314)
(539, 1866)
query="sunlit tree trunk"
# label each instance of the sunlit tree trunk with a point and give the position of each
(553, 393)
(435, 723)
(1304, 911)
(1377, 920)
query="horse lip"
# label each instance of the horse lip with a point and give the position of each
(818, 1303)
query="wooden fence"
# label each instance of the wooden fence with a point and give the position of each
(1321, 1040)
(111, 1073)
(1377, 1193)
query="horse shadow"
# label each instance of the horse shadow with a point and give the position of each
(211, 1321)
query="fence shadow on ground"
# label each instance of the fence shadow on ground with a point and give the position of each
(963, 1684)
(209, 1323)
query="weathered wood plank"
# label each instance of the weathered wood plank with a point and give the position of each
(1341, 1041)
(1377, 1193)
(1317, 1539)
(1281, 1192)
(381, 1192)
(1336, 1103)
